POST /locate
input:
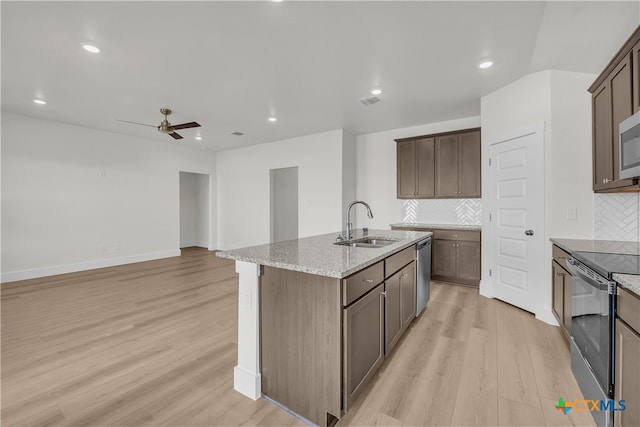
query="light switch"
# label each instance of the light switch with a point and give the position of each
(572, 214)
(246, 300)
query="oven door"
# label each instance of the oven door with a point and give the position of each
(591, 315)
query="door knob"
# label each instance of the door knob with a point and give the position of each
(529, 232)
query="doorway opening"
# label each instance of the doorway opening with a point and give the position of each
(284, 204)
(194, 210)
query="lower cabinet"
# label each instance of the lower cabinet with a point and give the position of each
(627, 359)
(456, 256)
(400, 304)
(627, 378)
(364, 329)
(561, 298)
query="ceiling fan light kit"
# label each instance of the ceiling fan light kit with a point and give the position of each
(166, 127)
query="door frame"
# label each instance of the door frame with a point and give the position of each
(210, 206)
(542, 305)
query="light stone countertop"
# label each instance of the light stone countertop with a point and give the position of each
(631, 282)
(318, 254)
(605, 246)
(426, 226)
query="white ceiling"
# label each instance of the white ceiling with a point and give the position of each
(230, 65)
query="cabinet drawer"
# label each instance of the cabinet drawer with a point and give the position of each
(468, 235)
(560, 256)
(398, 260)
(629, 308)
(358, 284)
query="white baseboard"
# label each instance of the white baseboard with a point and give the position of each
(13, 276)
(546, 316)
(247, 383)
(196, 243)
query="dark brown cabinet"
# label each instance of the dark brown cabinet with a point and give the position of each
(627, 357)
(363, 342)
(445, 165)
(400, 304)
(415, 169)
(456, 256)
(615, 96)
(457, 165)
(561, 291)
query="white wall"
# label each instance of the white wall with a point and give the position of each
(194, 210)
(376, 170)
(348, 174)
(75, 198)
(560, 100)
(243, 187)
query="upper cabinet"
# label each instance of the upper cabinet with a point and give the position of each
(615, 97)
(445, 165)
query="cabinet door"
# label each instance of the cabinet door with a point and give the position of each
(468, 260)
(363, 343)
(446, 152)
(635, 66)
(406, 169)
(408, 291)
(621, 109)
(557, 283)
(602, 143)
(425, 173)
(566, 321)
(469, 165)
(627, 379)
(392, 312)
(444, 258)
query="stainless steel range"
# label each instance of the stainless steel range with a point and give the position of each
(593, 308)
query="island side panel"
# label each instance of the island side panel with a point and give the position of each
(301, 342)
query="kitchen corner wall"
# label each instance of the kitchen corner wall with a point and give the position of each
(616, 216)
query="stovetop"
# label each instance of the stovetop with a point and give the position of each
(607, 264)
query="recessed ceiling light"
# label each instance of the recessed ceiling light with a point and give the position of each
(276, 1)
(39, 101)
(199, 138)
(376, 92)
(485, 64)
(273, 119)
(91, 48)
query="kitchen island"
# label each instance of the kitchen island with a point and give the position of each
(316, 319)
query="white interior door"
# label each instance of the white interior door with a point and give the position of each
(517, 219)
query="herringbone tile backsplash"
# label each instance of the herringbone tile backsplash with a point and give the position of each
(616, 216)
(443, 211)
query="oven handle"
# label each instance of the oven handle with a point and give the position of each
(590, 276)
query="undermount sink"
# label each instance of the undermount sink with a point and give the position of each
(367, 242)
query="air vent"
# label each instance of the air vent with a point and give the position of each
(370, 100)
(236, 133)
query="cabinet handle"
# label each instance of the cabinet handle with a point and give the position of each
(559, 273)
(368, 280)
(605, 180)
(404, 276)
(383, 293)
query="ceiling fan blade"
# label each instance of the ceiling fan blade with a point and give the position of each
(185, 126)
(136, 123)
(175, 135)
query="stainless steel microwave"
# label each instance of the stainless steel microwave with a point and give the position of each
(630, 147)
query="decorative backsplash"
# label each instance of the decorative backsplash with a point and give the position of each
(443, 211)
(616, 216)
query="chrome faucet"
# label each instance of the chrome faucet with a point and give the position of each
(349, 225)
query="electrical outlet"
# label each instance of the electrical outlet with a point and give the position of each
(572, 214)
(117, 246)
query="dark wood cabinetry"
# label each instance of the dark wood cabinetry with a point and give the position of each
(615, 96)
(456, 256)
(445, 165)
(627, 365)
(415, 171)
(561, 291)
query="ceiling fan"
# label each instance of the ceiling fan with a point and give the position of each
(166, 127)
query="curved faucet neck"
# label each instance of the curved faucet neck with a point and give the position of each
(369, 213)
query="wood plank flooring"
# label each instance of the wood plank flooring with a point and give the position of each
(154, 344)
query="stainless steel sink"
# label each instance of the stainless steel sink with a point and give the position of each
(367, 242)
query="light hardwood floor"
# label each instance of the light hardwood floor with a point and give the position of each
(154, 344)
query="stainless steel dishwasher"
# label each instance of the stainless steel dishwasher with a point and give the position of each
(423, 274)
